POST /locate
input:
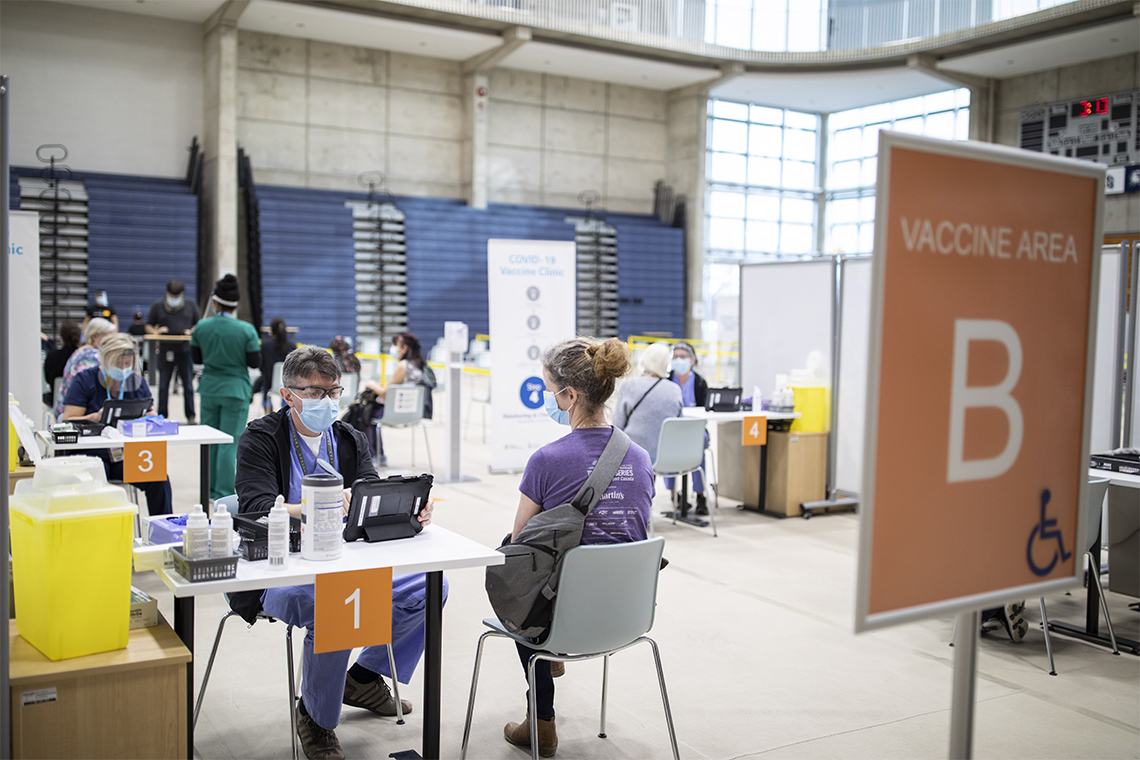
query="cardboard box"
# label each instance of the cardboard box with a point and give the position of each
(145, 426)
(144, 609)
(165, 529)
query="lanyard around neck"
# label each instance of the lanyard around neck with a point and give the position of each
(325, 436)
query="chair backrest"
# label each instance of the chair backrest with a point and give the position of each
(275, 386)
(55, 386)
(230, 502)
(681, 446)
(351, 383)
(607, 594)
(403, 405)
(1098, 487)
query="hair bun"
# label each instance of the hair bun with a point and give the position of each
(611, 359)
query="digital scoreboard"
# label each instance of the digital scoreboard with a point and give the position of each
(1100, 128)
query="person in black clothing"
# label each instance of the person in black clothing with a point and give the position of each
(138, 328)
(101, 308)
(274, 453)
(174, 315)
(57, 358)
(273, 349)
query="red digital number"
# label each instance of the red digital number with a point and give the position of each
(1102, 106)
(1086, 108)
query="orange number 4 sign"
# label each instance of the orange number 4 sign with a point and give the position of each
(144, 461)
(353, 609)
(755, 431)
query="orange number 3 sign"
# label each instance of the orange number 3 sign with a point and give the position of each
(353, 609)
(144, 461)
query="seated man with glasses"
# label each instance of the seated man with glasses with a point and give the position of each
(274, 453)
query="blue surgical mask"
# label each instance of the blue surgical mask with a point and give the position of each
(682, 366)
(561, 416)
(318, 415)
(119, 373)
(173, 302)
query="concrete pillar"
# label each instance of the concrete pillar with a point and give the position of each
(685, 171)
(475, 107)
(220, 179)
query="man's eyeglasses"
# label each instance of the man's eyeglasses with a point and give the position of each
(316, 392)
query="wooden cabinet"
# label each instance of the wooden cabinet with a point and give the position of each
(129, 703)
(797, 471)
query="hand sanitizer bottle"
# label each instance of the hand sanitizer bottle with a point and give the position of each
(196, 537)
(221, 533)
(278, 535)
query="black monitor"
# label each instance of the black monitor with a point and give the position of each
(383, 510)
(125, 409)
(723, 400)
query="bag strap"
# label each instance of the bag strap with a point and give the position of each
(643, 395)
(595, 486)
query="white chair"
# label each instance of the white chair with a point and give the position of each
(483, 398)
(1098, 488)
(231, 504)
(351, 383)
(404, 408)
(606, 599)
(680, 450)
(276, 383)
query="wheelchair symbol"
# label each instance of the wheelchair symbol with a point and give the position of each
(1047, 530)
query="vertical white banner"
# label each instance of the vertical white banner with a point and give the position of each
(531, 291)
(25, 369)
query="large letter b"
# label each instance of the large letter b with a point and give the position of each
(997, 396)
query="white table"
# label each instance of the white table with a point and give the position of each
(200, 435)
(434, 550)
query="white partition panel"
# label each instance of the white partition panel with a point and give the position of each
(785, 313)
(1106, 401)
(854, 343)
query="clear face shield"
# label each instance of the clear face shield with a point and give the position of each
(122, 374)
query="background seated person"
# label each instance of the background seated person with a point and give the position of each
(411, 367)
(274, 454)
(274, 348)
(644, 403)
(580, 375)
(56, 360)
(694, 392)
(116, 377)
(84, 357)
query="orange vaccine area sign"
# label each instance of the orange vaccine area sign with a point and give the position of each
(979, 390)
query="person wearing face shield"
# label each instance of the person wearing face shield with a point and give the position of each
(580, 376)
(694, 392)
(101, 308)
(117, 376)
(226, 347)
(274, 454)
(174, 315)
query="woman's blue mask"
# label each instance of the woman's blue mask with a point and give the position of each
(682, 366)
(318, 414)
(561, 416)
(122, 374)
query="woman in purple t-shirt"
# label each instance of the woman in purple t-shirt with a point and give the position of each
(580, 375)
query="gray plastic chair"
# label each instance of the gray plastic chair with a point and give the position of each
(607, 595)
(680, 450)
(404, 408)
(231, 504)
(351, 383)
(1098, 488)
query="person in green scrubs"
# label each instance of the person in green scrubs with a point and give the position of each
(225, 347)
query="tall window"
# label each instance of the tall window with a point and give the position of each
(762, 180)
(778, 25)
(852, 160)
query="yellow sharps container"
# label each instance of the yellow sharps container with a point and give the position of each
(71, 558)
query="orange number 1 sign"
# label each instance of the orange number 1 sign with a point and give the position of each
(353, 609)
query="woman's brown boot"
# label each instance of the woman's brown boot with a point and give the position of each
(519, 735)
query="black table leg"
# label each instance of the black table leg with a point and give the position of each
(433, 668)
(184, 627)
(761, 497)
(204, 477)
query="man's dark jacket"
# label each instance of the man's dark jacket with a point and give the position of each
(263, 454)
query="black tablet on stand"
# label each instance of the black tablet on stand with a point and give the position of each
(116, 409)
(385, 510)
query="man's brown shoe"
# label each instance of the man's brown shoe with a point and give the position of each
(518, 734)
(375, 696)
(318, 743)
